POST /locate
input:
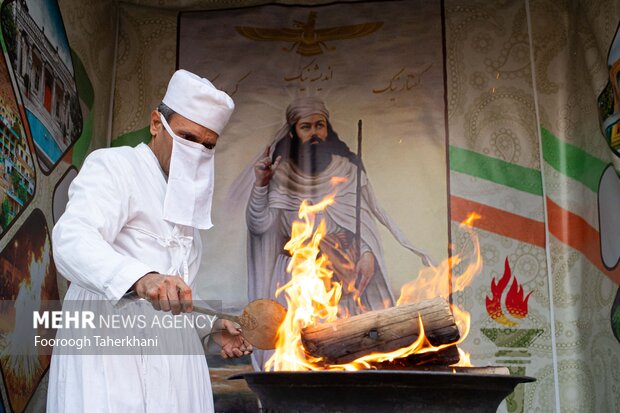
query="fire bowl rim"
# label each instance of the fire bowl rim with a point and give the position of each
(300, 376)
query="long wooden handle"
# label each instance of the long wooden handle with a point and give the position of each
(230, 317)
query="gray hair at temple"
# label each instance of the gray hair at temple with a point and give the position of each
(306, 106)
(165, 111)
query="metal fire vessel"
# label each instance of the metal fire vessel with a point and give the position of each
(380, 391)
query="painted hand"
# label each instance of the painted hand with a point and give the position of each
(365, 269)
(264, 169)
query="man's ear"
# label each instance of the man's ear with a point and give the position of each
(155, 125)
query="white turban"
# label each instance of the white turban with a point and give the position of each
(198, 100)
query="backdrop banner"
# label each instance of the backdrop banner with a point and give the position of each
(386, 70)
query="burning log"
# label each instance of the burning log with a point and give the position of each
(382, 331)
(432, 360)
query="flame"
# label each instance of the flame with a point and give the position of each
(432, 280)
(312, 296)
(469, 221)
(464, 361)
(337, 180)
(515, 303)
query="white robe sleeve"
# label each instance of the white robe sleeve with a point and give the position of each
(97, 210)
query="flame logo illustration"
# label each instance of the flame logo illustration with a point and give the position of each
(515, 305)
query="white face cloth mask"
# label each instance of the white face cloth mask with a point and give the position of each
(189, 192)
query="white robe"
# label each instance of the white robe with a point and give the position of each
(111, 234)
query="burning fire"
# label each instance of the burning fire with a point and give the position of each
(431, 281)
(312, 297)
(515, 303)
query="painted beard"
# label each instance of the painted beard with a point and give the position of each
(311, 157)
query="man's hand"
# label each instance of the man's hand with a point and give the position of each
(229, 337)
(264, 169)
(365, 270)
(165, 292)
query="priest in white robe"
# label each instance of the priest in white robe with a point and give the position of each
(131, 228)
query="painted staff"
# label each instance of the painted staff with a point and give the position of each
(358, 195)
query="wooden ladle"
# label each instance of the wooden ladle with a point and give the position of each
(259, 321)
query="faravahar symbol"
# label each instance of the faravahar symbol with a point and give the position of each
(308, 41)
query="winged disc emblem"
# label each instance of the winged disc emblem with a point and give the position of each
(306, 39)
